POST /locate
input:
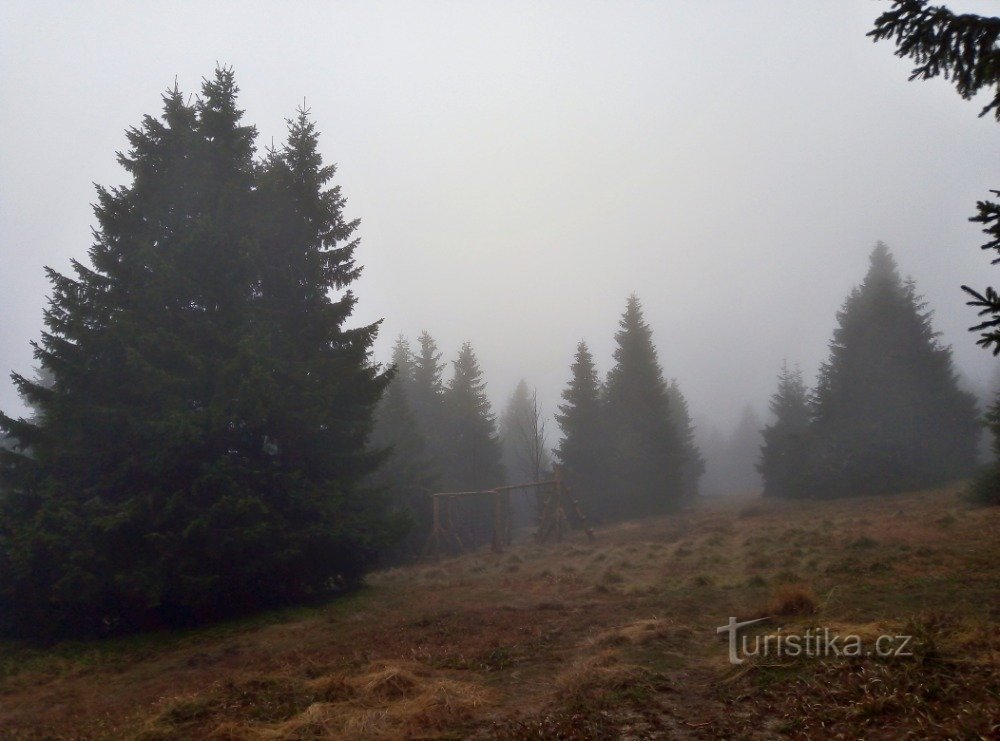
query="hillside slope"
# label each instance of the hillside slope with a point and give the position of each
(577, 639)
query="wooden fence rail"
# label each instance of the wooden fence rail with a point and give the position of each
(553, 519)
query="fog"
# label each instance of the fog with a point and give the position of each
(520, 168)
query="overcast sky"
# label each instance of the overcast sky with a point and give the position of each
(520, 168)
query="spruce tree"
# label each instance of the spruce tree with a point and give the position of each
(738, 463)
(408, 475)
(426, 396)
(201, 449)
(889, 415)
(473, 452)
(471, 427)
(583, 450)
(963, 48)
(404, 367)
(647, 454)
(693, 466)
(784, 455)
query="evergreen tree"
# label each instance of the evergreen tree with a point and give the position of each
(785, 453)
(408, 474)
(964, 48)
(583, 449)
(474, 453)
(404, 367)
(713, 445)
(732, 457)
(475, 460)
(889, 415)
(201, 449)
(426, 396)
(647, 454)
(693, 466)
(985, 487)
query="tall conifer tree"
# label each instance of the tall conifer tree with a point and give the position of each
(647, 452)
(784, 456)
(961, 47)
(583, 450)
(408, 475)
(202, 446)
(426, 396)
(471, 427)
(473, 451)
(889, 415)
(694, 464)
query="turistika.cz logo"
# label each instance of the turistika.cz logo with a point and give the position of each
(814, 643)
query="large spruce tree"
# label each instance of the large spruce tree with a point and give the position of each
(426, 396)
(473, 453)
(583, 450)
(693, 466)
(202, 446)
(784, 456)
(963, 48)
(471, 427)
(408, 476)
(889, 415)
(646, 452)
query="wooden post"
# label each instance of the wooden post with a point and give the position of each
(498, 527)
(552, 494)
(506, 517)
(433, 544)
(451, 526)
(549, 516)
(579, 514)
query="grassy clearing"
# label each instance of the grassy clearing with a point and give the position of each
(580, 640)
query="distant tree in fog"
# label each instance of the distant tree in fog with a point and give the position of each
(526, 454)
(522, 432)
(743, 450)
(408, 474)
(784, 456)
(472, 457)
(426, 396)
(731, 459)
(471, 427)
(889, 415)
(646, 451)
(583, 450)
(694, 465)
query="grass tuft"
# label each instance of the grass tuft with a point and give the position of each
(792, 599)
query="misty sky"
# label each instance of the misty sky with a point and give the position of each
(520, 168)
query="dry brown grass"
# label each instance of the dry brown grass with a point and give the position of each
(384, 700)
(792, 599)
(611, 639)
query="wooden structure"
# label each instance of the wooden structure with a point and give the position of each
(554, 499)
